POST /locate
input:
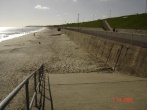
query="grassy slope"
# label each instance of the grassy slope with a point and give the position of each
(90, 24)
(131, 22)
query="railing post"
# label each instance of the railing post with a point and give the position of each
(52, 107)
(131, 39)
(43, 105)
(40, 85)
(39, 80)
(35, 85)
(142, 41)
(27, 94)
(42, 69)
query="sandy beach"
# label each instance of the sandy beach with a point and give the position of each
(21, 56)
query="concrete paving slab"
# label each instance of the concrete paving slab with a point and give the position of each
(94, 77)
(95, 91)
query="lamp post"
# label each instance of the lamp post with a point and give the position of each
(110, 13)
(146, 7)
(78, 20)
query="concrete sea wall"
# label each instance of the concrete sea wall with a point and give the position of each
(124, 58)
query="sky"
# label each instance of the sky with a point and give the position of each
(15, 13)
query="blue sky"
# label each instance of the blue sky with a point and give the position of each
(50, 12)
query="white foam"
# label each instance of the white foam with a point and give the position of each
(12, 36)
(3, 36)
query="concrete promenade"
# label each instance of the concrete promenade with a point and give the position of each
(98, 91)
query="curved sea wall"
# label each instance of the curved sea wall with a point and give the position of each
(121, 57)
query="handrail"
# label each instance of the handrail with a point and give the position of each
(25, 83)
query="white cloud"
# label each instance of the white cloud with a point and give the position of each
(75, 0)
(41, 7)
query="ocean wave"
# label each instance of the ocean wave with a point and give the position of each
(11, 33)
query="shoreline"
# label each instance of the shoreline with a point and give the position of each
(16, 35)
(18, 58)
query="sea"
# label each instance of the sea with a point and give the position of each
(7, 33)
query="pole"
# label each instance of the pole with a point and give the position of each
(78, 20)
(27, 94)
(146, 7)
(110, 13)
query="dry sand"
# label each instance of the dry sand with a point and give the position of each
(21, 56)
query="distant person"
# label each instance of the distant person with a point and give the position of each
(59, 29)
(34, 34)
(113, 29)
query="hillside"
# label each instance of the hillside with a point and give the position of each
(138, 21)
(89, 24)
(129, 22)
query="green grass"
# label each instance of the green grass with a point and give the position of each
(90, 24)
(125, 22)
(130, 22)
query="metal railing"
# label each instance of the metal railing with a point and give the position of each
(133, 39)
(39, 87)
